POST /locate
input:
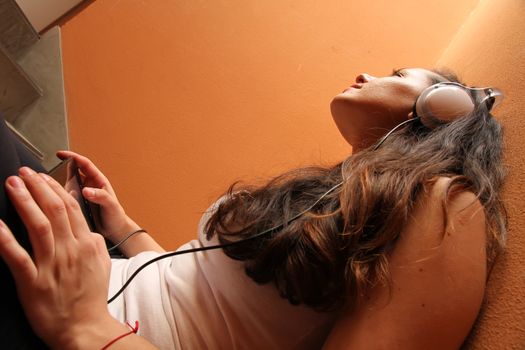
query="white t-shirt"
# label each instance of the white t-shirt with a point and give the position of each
(205, 300)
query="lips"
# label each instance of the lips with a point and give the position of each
(354, 86)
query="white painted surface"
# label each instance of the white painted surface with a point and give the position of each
(42, 13)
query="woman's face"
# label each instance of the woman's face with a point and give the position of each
(372, 106)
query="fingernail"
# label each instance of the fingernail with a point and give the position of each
(45, 176)
(26, 171)
(91, 192)
(15, 182)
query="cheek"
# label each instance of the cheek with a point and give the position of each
(397, 106)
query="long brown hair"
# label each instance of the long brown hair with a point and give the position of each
(337, 251)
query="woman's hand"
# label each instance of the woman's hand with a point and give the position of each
(115, 224)
(63, 288)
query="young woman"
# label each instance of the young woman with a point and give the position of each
(388, 249)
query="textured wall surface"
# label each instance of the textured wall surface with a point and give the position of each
(175, 100)
(490, 50)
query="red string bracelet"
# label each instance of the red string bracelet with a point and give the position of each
(133, 330)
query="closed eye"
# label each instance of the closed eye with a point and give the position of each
(397, 72)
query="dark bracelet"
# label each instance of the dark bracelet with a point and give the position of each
(126, 238)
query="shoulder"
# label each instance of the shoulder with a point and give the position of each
(438, 271)
(444, 220)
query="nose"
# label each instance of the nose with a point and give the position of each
(364, 78)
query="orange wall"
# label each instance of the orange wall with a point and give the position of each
(177, 99)
(490, 49)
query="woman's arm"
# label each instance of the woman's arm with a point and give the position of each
(438, 282)
(115, 224)
(63, 286)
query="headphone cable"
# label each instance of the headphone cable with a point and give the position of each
(218, 246)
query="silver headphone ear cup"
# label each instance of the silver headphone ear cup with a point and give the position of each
(443, 103)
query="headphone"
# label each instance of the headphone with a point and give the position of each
(447, 101)
(438, 104)
(444, 102)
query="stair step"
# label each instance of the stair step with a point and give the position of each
(16, 33)
(17, 89)
(43, 13)
(28, 144)
(44, 122)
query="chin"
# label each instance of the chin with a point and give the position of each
(343, 106)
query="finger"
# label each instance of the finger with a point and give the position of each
(50, 203)
(37, 224)
(17, 259)
(100, 196)
(89, 169)
(77, 220)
